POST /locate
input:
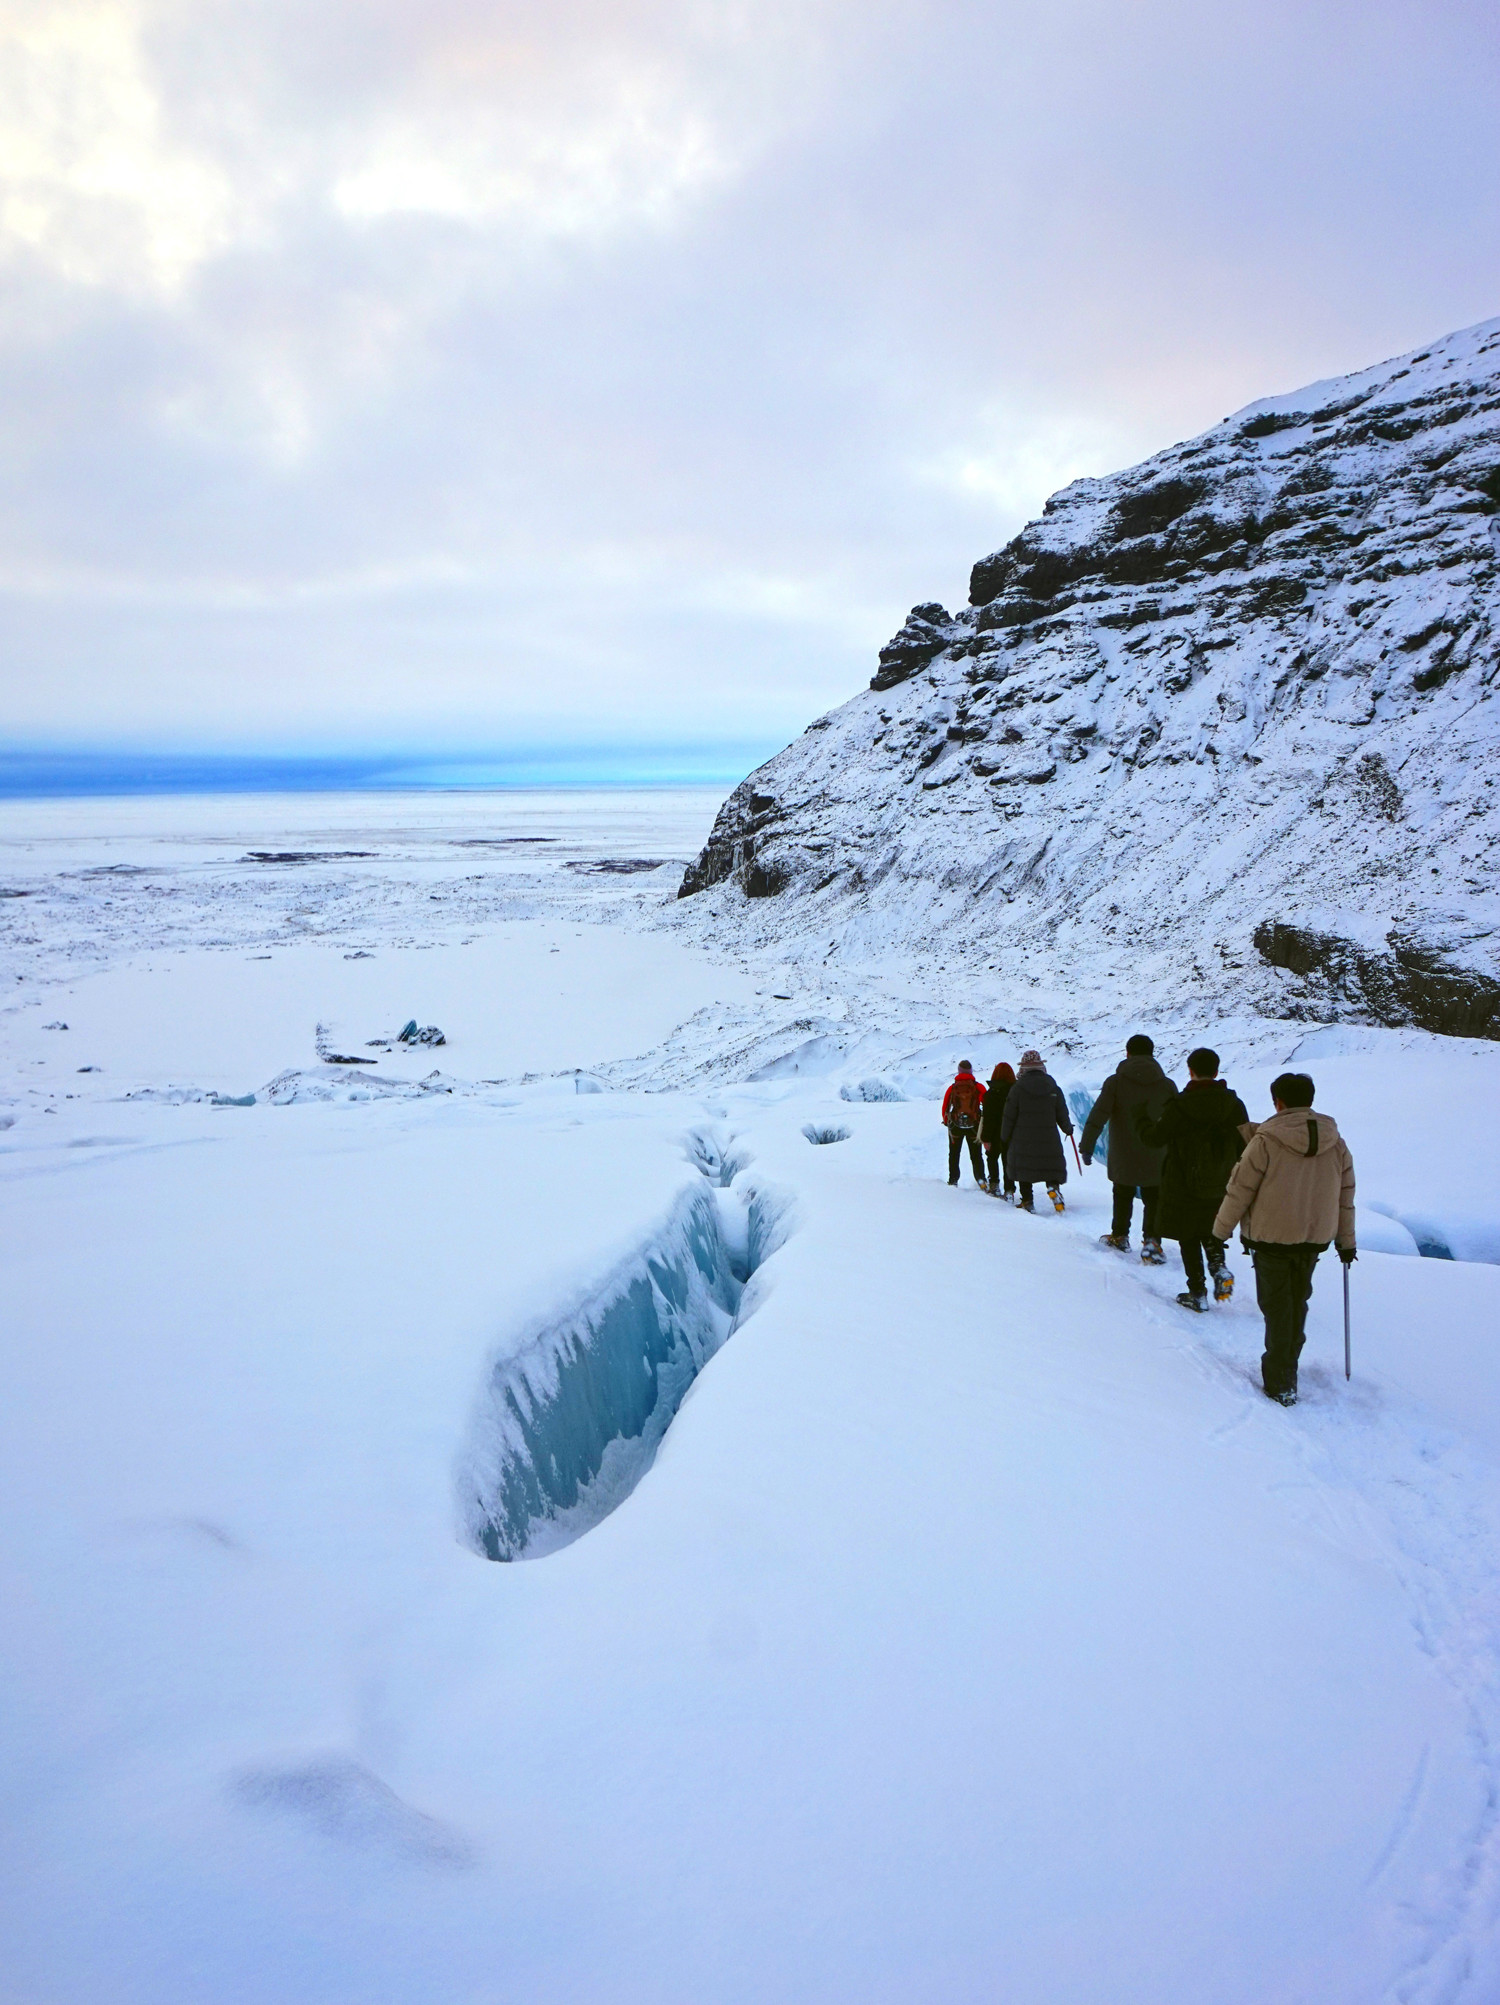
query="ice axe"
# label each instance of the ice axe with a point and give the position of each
(1076, 1157)
(1347, 1265)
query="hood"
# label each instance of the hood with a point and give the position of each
(1141, 1071)
(1292, 1128)
(1206, 1100)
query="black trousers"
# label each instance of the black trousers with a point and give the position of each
(1194, 1251)
(995, 1158)
(956, 1139)
(1124, 1197)
(1283, 1288)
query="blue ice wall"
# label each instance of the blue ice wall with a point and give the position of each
(566, 1427)
(1080, 1102)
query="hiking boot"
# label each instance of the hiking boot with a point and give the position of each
(1151, 1253)
(1198, 1302)
(1286, 1397)
(1118, 1241)
(1056, 1197)
(1022, 1205)
(1223, 1284)
(953, 1183)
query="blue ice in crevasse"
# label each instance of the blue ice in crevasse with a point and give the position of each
(565, 1428)
(1080, 1104)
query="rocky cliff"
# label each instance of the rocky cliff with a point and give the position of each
(1224, 722)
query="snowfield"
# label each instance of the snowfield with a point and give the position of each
(974, 1630)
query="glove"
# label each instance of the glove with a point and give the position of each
(1348, 1255)
(1087, 1159)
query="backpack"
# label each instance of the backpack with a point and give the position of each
(963, 1107)
(1206, 1155)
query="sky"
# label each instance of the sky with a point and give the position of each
(511, 377)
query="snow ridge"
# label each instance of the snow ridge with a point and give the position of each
(1225, 719)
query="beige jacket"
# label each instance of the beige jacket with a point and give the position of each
(1294, 1185)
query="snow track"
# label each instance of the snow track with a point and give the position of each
(1388, 1484)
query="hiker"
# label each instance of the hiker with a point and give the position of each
(990, 1123)
(1291, 1193)
(1202, 1130)
(1133, 1168)
(962, 1105)
(1031, 1130)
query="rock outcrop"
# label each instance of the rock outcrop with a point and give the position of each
(1235, 699)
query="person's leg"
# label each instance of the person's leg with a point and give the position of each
(1150, 1198)
(1010, 1182)
(1304, 1260)
(976, 1160)
(992, 1164)
(1218, 1266)
(1123, 1196)
(1192, 1264)
(1026, 1197)
(1276, 1287)
(955, 1143)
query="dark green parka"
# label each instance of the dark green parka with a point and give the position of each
(1137, 1082)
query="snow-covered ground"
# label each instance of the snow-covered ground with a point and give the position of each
(978, 1630)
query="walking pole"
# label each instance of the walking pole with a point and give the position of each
(1076, 1157)
(1346, 1319)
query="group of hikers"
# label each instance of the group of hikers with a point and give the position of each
(1199, 1165)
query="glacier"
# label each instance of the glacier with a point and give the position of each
(915, 1602)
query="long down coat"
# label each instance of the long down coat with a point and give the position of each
(1036, 1119)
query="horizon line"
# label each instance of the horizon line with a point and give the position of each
(40, 773)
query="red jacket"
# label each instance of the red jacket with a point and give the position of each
(964, 1105)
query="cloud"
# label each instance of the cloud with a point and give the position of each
(490, 369)
(92, 183)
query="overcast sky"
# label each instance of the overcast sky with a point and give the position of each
(433, 373)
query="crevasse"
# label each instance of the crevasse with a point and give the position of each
(564, 1429)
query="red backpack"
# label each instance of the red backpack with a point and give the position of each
(964, 1102)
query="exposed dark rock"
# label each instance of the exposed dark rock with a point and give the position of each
(763, 880)
(616, 866)
(305, 856)
(928, 630)
(1408, 985)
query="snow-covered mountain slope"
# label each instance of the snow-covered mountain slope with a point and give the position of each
(1223, 724)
